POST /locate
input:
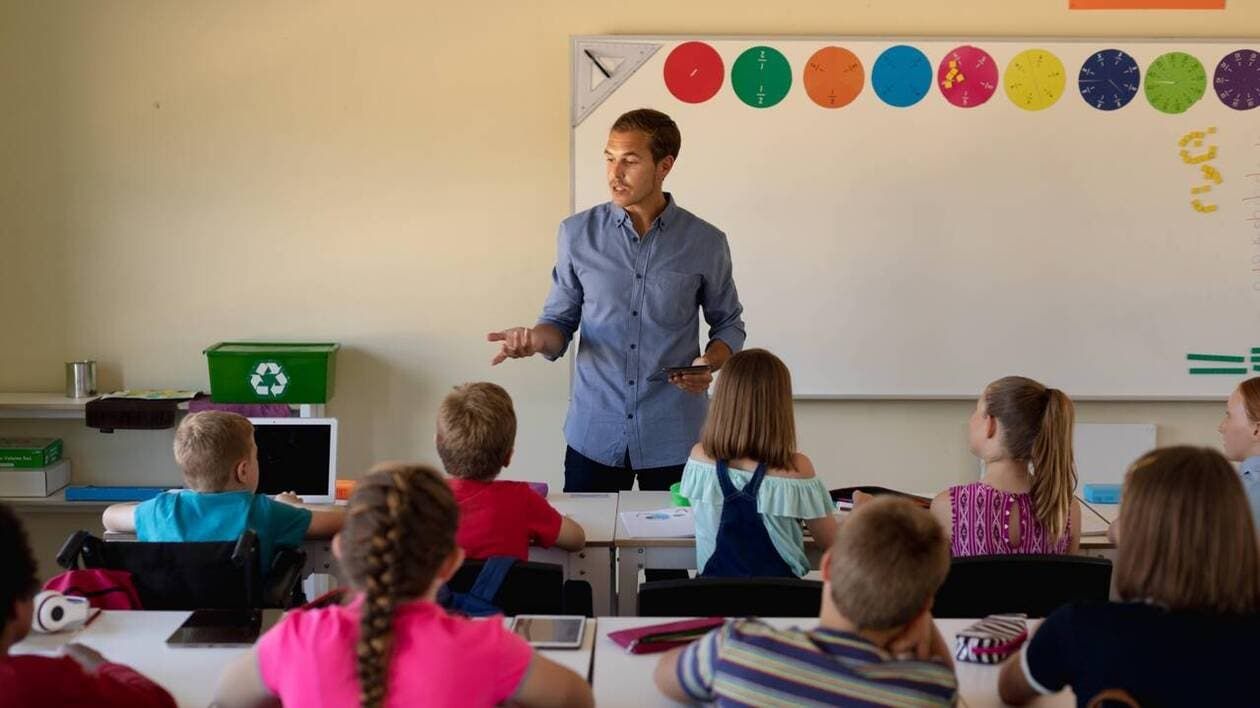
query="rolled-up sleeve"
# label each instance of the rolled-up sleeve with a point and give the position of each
(720, 301)
(563, 308)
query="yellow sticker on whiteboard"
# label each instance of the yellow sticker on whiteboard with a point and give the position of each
(1035, 79)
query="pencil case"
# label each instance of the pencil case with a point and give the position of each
(992, 639)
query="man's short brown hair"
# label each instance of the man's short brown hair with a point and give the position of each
(476, 430)
(664, 138)
(888, 561)
(209, 445)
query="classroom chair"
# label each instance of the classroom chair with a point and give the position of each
(730, 597)
(531, 588)
(1033, 584)
(192, 576)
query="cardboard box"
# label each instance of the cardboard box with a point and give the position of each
(29, 453)
(38, 482)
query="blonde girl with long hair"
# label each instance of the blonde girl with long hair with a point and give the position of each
(1025, 500)
(750, 488)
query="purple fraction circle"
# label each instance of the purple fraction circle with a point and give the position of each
(1237, 79)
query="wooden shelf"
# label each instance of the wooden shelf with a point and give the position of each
(41, 405)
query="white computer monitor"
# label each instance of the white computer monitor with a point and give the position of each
(297, 455)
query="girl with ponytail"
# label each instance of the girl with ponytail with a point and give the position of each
(1024, 502)
(392, 645)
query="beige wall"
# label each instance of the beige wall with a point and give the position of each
(385, 174)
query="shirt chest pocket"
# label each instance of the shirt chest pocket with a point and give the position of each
(670, 298)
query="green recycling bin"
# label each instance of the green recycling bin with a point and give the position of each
(271, 372)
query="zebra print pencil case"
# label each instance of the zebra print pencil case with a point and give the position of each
(991, 639)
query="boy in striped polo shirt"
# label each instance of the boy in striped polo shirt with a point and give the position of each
(875, 643)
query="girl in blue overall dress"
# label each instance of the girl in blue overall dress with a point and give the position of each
(748, 523)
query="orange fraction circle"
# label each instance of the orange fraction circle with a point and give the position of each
(834, 77)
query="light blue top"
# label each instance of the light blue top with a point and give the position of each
(637, 303)
(1251, 483)
(186, 515)
(782, 502)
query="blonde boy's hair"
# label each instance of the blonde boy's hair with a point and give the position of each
(209, 445)
(476, 430)
(887, 563)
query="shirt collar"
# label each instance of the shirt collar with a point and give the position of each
(667, 216)
(1251, 466)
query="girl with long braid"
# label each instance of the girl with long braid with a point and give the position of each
(392, 645)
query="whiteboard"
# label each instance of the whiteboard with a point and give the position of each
(924, 251)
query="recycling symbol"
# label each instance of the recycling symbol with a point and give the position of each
(268, 379)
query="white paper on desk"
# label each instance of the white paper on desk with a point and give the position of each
(674, 522)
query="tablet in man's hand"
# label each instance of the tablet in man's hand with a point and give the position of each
(665, 373)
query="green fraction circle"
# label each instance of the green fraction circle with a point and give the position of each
(761, 77)
(1174, 82)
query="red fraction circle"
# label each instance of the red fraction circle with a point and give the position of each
(694, 72)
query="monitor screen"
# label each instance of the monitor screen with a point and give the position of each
(297, 455)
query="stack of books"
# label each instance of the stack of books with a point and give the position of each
(32, 467)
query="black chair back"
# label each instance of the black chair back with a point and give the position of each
(530, 588)
(1033, 584)
(730, 597)
(192, 575)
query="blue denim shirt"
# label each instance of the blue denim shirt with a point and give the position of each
(1251, 483)
(636, 300)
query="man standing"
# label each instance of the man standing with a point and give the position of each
(632, 273)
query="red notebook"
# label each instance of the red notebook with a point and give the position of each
(663, 637)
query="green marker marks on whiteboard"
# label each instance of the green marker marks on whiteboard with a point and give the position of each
(761, 77)
(1222, 370)
(1216, 357)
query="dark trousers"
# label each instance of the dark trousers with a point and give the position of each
(582, 474)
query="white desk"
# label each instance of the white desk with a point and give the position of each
(138, 639)
(623, 679)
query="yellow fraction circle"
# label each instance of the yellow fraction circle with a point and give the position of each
(1034, 79)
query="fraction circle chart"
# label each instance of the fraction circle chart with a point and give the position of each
(694, 72)
(1174, 82)
(902, 76)
(1109, 79)
(1237, 80)
(967, 76)
(761, 77)
(834, 76)
(1034, 79)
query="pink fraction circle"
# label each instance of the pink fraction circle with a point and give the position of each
(967, 76)
(694, 72)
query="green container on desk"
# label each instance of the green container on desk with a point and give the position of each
(675, 492)
(272, 372)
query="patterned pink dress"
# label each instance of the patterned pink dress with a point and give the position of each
(981, 523)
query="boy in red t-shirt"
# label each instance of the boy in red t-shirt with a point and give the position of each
(476, 433)
(80, 678)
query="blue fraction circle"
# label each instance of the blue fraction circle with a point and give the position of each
(1109, 79)
(902, 76)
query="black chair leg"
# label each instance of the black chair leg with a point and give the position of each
(577, 598)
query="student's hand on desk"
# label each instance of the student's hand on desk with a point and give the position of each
(87, 657)
(290, 498)
(916, 641)
(694, 383)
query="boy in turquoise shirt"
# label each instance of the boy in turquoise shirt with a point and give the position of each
(219, 459)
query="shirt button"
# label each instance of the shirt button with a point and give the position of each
(631, 382)
(632, 346)
(634, 313)
(629, 415)
(638, 276)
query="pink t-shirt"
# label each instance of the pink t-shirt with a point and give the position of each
(308, 658)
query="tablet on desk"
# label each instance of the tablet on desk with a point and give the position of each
(551, 631)
(223, 628)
